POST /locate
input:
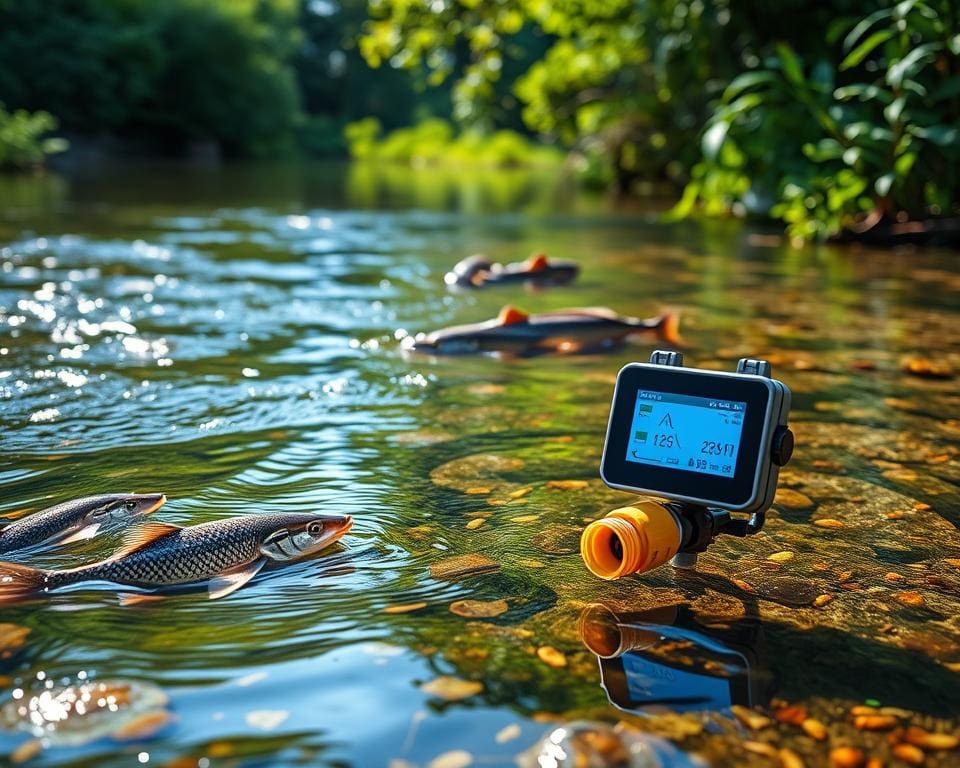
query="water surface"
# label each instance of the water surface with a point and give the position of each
(229, 337)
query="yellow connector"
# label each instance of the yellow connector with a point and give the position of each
(630, 540)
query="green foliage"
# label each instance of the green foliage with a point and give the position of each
(22, 139)
(884, 145)
(433, 142)
(172, 71)
(744, 103)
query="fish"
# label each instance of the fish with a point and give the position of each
(225, 554)
(78, 519)
(478, 271)
(566, 331)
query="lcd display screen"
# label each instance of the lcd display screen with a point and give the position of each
(696, 434)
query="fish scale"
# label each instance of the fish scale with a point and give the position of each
(44, 525)
(185, 555)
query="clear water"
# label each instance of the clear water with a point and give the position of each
(228, 337)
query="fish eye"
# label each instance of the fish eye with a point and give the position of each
(315, 529)
(130, 505)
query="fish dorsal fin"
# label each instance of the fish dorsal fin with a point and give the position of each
(536, 263)
(511, 316)
(139, 536)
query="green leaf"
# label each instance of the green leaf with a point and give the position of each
(747, 80)
(954, 45)
(904, 164)
(825, 149)
(864, 92)
(892, 112)
(713, 139)
(792, 67)
(860, 29)
(941, 135)
(884, 183)
(911, 63)
(863, 50)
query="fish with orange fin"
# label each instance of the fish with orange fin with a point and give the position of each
(223, 554)
(566, 331)
(78, 519)
(478, 271)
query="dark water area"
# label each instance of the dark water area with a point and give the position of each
(230, 337)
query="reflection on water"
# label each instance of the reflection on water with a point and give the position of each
(229, 337)
(667, 658)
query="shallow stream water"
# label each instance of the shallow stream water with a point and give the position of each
(229, 337)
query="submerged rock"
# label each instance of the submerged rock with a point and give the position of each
(462, 566)
(558, 540)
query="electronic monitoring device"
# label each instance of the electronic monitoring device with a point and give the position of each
(702, 437)
(711, 442)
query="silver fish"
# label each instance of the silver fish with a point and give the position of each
(566, 331)
(479, 272)
(78, 519)
(224, 553)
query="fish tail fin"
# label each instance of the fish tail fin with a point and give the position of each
(20, 582)
(668, 328)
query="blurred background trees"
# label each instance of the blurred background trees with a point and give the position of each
(832, 116)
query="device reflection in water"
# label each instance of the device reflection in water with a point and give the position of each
(666, 657)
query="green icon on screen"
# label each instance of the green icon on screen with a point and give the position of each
(640, 437)
(644, 408)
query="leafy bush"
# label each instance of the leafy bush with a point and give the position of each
(170, 72)
(882, 146)
(22, 142)
(432, 142)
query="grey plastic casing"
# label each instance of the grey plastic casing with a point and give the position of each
(767, 472)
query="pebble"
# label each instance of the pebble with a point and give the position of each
(791, 499)
(790, 759)
(828, 522)
(780, 557)
(567, 485)
(457, 758)
(794, 715)
(550, 655)
(12, 638)
(479, 609)
(911, 599)
(507, 733)
(787, 590)
(926, 368)
(519, 493)
(751, 718)
(821, 600)
(479, 490)
(814, 729)
(558, 540)
(761, 748)
(463, 565)
(876, 722)
(451, 688)
(847, 757)
(927, 740)
(475, 523)
(525, 519)
(909, 754)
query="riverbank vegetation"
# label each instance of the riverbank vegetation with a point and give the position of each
(435, 142)
(24, 139)
(837, 118)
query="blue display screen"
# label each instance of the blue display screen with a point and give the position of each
(698, 434)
